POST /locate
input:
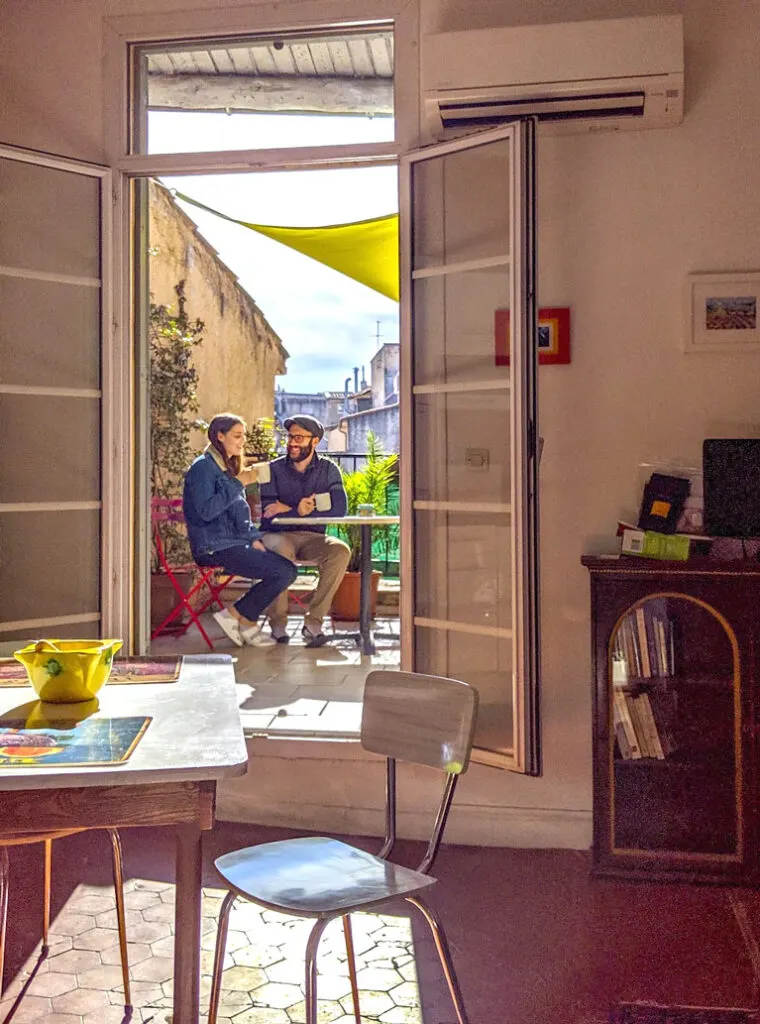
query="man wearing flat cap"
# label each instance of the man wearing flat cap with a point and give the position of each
(303, 485)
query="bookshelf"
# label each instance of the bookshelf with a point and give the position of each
(675, 740)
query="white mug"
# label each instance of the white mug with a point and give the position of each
(323, 502)
(263, 473)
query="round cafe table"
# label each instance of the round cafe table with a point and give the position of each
(365, 524)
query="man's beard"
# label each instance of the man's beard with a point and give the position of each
(301, 454)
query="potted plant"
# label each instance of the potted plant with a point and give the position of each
(173, 402)
(367, 486)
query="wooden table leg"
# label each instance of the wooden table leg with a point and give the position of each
(187, 926)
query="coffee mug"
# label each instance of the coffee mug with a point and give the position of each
(323, 502)
(263, 473)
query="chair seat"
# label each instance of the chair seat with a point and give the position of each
(316, 877)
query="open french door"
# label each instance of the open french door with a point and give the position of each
(60, 574)
(469, 430)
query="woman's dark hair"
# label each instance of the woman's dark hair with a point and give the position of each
(220, 425)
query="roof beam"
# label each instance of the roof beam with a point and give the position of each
(271, 93)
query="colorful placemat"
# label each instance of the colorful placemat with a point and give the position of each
(69, 744)
(125, 670)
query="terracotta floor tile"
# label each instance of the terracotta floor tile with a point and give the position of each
(74, 961)
(97, 939)
(104, 977)
(80, 1001)
(51, 984)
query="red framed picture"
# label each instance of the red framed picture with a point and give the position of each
(553, 335)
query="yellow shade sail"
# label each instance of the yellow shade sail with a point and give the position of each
(366, 250)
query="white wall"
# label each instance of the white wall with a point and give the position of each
(623, 219)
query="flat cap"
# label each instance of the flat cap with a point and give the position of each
(309, 423)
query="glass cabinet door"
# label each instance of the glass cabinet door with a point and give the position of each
(470, 422)
(675, 732)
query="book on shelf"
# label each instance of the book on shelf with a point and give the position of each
(644, 640)
(644, 708)
(630, 749)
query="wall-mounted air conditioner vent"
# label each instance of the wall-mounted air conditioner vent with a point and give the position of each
(580, 76)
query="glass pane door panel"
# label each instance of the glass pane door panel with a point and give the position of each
(463, 569)
(457, 336)
(50, 332)
(463, 442)
(473, 584)
(676, 732)
(45, 462)
(51, 566)
(50, 398)
(484, 662)
(50, 218)
(461, 206)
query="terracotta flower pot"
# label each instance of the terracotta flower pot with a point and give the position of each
(346, 602)
(163, 598)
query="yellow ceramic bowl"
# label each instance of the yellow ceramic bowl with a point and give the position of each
(66, 671)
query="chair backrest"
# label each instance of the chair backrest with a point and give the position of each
(421, 719)
(424, 719)
(166, 510)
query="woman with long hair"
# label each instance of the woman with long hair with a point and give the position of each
(221, 533)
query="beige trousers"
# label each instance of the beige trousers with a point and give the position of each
(331, 556)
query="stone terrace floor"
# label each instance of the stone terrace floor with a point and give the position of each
(79, 982)
(293, 690)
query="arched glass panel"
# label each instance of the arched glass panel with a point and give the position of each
(675, 736)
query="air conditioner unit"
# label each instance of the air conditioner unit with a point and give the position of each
(577, 76)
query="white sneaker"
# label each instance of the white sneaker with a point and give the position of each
(230, 625)
(255, 637)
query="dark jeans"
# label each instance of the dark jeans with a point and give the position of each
(273, 573)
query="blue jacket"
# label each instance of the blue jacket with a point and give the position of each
(216, 512)
(289, 486)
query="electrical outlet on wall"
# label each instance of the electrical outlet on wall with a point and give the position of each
(477, 458)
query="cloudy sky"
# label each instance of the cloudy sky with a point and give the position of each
(327, 322)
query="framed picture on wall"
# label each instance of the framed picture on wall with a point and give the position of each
(553, 335)
(721, 312)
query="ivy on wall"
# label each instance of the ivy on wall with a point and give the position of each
(173, 337)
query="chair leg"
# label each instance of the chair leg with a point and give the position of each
(444, 956)
(47, 884)
(121, 913)
(221, 942)
(352, 966)
(3, 908)
(311, 970)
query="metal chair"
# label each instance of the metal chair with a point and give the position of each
(169, 510)
(421, 719)
(25, 839)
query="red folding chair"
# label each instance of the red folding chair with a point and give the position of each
(169, 510)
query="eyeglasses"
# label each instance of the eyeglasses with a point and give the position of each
(300, 438)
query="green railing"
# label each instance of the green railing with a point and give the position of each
(385, 539)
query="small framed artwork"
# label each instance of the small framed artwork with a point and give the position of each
(721, 312)
(553, 335)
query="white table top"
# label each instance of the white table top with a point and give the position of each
(196, 733)
(336, 520)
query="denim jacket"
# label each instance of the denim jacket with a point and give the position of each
(216, 512)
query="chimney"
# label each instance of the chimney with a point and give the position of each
(364, 379)
(356, 379)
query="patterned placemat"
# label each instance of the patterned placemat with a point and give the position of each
(125, 670)
(69, 744)
(650, 1013)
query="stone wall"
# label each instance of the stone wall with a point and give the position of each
(240, 355)
(383, 423)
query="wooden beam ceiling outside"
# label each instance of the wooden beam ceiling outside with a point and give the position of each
(348, 75)
(283, 93)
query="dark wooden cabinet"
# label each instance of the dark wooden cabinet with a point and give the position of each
(675, 718)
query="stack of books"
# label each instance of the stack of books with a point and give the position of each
(644, 707)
